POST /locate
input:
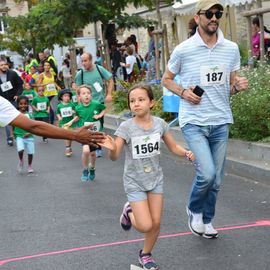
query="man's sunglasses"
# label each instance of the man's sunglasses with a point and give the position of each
(209, 14)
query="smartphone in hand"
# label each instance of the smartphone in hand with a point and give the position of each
(198, 91)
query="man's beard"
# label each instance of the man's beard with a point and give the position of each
(210, 32)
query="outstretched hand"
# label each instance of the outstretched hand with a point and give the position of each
(85, 136)
(108, 143)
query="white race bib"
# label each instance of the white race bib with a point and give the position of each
(95, 126)
(98, 87)
(66, 112)
(42, 106)
(30, 96)
(145, 146)
(50, 87)
(6, 86)
(212, 75)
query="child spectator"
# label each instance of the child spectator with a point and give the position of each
(41, 107)
(129, 65)
(65, 112)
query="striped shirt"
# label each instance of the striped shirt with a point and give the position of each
(210, 68)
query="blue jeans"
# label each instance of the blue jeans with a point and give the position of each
(209, 145)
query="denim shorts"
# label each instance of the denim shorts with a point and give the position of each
(26, 144)
(137, 196)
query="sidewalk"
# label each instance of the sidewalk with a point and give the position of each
(247, 159)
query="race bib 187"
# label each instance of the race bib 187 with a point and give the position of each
(212, 75)
(145, 146)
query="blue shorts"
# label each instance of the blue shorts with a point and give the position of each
(26, 144)
(138, 196)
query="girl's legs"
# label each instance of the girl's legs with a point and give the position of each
(92, 172)
(146, 217)
(20, 165)
(30, 160)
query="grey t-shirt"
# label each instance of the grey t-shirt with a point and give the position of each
(142, 170)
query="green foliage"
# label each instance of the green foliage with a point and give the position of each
(120, 102)
(251, 109)
(243, 53)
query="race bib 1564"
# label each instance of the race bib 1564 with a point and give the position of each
(145, 146)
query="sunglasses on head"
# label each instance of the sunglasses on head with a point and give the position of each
(209, 14)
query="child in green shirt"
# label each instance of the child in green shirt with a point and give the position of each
(30, 94)
(24, 140)
(65, 112)
(41, 107)
(88, 112)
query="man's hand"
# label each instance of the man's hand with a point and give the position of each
(189, 96)
(85, 136)
(241, 83)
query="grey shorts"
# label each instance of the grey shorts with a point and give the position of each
(138, 196)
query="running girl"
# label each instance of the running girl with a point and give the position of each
(143, 178)
(24, 140)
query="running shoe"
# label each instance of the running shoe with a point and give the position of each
(84, 176)
(20, 166)
(147, 262)
(45, 140)
(92, 174)
(210, 232)
(195, 223)
(125, 221)
(10, 142)
(30, 169)
(68, 152)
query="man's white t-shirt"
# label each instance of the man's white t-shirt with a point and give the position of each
(131, 60)
(7, 112)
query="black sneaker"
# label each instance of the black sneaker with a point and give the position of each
(10, 142)
(147, 262)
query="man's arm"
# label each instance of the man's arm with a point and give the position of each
(237, 83)
(83, 135)
(187, 94)
(110, 87)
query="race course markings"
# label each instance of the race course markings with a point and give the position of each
(259, 223)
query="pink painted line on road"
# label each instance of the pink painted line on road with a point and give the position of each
(259, 223)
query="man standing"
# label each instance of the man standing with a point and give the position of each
(11, 86)
(210, 61)
(151, 55)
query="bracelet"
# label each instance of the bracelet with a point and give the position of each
(182, 92)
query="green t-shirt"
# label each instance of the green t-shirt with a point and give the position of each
(30, 94)
(86, 113)
(41, 103)
(18, 132)
(66, 111)
(74, 98)
(95, 80)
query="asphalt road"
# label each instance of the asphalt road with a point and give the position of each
(51, 220)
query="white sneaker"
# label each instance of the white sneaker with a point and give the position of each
(195, 223)
(210, 232)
